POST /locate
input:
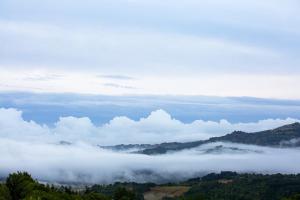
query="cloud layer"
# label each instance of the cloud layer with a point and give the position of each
(191, 47)
(189, 38)
(83, 163)
(29, 146)
(158, 127)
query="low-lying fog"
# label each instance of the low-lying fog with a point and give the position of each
(84, 163)
(28, 146)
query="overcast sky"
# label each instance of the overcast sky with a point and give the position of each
(191, 47)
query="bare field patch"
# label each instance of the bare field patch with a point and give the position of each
(157, 193)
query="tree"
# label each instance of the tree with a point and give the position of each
(20, 184)
(4, 193)
(95, 196)
(295, 197)
(122, 193)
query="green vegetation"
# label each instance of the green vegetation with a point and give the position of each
(295, 197)
(4, 193)
(223, 186)
(21, 186)
(110, 190)
(229, 185)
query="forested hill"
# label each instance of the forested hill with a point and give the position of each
(285, 136)
(282, 136)
(226, 185)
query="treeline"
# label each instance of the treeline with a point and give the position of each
(222, 186)
(233, 186)
(21, 186)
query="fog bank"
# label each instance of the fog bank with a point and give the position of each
(83, 163)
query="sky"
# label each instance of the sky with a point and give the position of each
(102, 72)
(47, 108)
(218, 47)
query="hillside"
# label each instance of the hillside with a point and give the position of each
(285, 136)
(225, 185)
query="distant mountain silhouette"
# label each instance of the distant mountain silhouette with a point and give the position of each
(284, 136)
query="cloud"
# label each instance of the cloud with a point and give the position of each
(198, 43)
(28, 146)
(117, 77)
(12, 125)
(12, 87)
(270, 86)
(158, 127)
(44, 77)
(115, 85)
(82, 163)
(139, 51)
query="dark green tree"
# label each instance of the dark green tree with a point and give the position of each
(295, 197)
(20, 184)
(95, 196)
(122, 193)
(4, 193)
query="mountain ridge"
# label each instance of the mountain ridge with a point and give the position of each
(283, 136)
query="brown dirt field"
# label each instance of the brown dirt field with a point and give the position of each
(157, 193)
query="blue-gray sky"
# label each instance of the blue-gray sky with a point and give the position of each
(216, 47)
(48, 108)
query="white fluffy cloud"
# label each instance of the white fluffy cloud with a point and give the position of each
(158, 127)
(28, 146)
(12, 125)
